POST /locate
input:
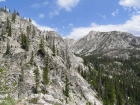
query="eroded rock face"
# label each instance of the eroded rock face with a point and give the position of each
(17, 77)
(106, 42)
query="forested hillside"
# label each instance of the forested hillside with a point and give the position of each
(116, 80)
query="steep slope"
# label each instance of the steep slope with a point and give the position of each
(105, 42)
(70, 42)
(113, 59)
(35, 65)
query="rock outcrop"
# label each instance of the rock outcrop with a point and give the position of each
(26, 52)
(107, 43)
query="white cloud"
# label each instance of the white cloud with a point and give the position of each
(130, 3)
(38, 5)
(116, 12)
(63, 4)
(46, 3)
(41, 15)
(2, 0)
(132, 26)
(71, 24)
(54, 13)
(102, 16)
(43, 28)
(67, 4)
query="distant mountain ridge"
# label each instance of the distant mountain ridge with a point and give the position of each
(96, 42)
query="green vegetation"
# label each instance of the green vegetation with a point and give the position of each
(33, 100)
(24, 42)
(85, 61)
(5, 88)
(54, 50)
(30, 20)
(14, 16)
(33, 33)
(8, 23)
(41, 46)
(7, 49)
(1, 70)
(8, 26)
(32, 58)
(57, 104)
(22, 74)
(28, 30)
(68, 61)
(3, 9)
(36, 72)
(88, 103)
(8, 101)
(45, 72)
(10, 31)
(115, 79)
(2, 35)
(66, 89)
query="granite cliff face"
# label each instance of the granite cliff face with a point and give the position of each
(26, 52)
(108, 43)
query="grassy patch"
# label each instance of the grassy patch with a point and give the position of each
(57, 104)
(8, 101)
(33, 100)
(1, 70)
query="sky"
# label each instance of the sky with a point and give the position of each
(76, 18)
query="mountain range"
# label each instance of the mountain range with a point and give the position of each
(41, 68)
(105, 42)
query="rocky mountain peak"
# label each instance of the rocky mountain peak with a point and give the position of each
(38, 65)
(69, 42)
(105, 41)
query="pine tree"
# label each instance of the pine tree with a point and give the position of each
(28, 30)
(99, 83)
(8, 49)
(9, 31)
(32, 58)
(119, 99)
(66, 89)
(22, 75)
(45, 72)
(85, 61)
(41, 46)
(7, 23)
(4, 9)
(36, 72)
(54, 51)
(30, 20)
(53, 48)
(110, 95)
(79, 69)
(24, 42)
(1, 35)
(14, 16)
(17, 13)
(33, 33)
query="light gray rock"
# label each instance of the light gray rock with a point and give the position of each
(62, 63)
(106, 42)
